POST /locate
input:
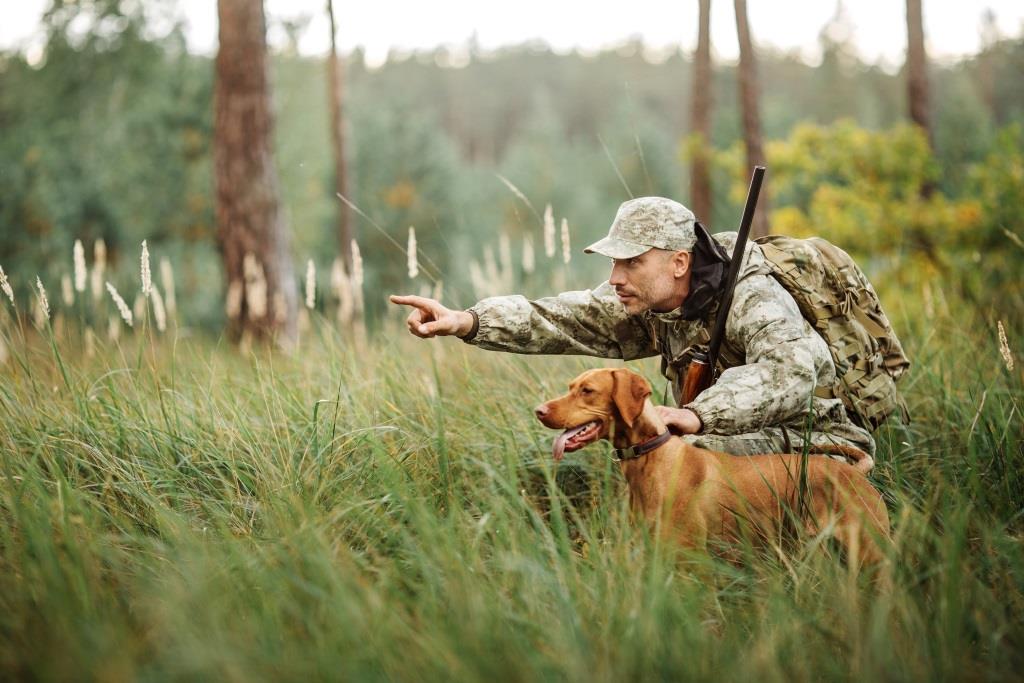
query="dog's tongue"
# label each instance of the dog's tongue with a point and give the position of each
(558, 447)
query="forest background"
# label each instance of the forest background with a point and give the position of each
(110, 136)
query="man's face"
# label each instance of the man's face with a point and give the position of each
(656, 280)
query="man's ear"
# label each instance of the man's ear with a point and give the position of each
(682, 261)
(629, 392)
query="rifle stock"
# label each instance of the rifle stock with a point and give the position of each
(697, 379)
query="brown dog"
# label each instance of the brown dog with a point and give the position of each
(700, 495)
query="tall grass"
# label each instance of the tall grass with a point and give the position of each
(172, 509)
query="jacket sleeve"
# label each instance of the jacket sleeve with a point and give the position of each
(785, 360)
(588, 323)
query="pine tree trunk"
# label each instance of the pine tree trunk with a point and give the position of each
(918, 95)
(700, 119)
(917, 70)
(335, 77)
(251, 234)
(986, 78)
(749, 102)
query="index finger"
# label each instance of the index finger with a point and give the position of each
(412, 300)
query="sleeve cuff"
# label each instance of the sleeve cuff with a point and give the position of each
(468, 337)
(700, 416)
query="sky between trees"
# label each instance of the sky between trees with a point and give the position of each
(877, 26)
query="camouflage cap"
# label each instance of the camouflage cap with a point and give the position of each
(645, 223)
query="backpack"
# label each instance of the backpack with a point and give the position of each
(836, 298)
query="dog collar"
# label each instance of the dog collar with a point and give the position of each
(641, 449)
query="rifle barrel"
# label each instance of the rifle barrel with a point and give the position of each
(735, 265)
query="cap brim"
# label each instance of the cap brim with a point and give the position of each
(616, 248)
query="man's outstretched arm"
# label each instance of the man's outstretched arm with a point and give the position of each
(587, 323)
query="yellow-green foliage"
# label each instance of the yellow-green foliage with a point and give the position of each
(999, 185)
(862, 190)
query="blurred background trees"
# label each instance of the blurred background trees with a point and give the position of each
(110, 134)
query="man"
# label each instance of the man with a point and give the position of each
(661, 299)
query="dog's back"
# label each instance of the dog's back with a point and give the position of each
(764, 490)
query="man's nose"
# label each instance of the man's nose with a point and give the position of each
(542, 411)
(617, 277)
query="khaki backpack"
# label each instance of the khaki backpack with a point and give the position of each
(836, 298)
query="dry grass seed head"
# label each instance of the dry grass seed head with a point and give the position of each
(528, 258)
(122, 307)
(99, 265)
(5, 285)
(549, 232)
(167, 280)
(44, 303)
(566, 253)
(144, 271)
(357, 277)
(81, 273)
(410, 253)
(159, 313)
(67, 290)
(1004, 347)
(310, 284)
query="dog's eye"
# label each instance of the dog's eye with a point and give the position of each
(586, 390)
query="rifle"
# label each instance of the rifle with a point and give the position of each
(700, 372)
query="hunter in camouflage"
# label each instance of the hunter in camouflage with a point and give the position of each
(775, 368)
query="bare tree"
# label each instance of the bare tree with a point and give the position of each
(989, 35)
(749, 95)
(918, 94)
(700, 118)
(251, 233)
(335, 78)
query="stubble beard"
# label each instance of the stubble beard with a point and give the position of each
(634, 305)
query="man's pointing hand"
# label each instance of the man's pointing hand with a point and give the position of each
(430, 319)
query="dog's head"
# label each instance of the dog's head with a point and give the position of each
(597, 401)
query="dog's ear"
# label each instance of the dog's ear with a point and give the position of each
(629, 392)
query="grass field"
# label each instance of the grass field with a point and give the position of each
(171, 509)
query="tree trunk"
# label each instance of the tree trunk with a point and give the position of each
(700, 119)
(986, 78)
(251, 234)
(749, 95)
(335, 78)
(917, 70)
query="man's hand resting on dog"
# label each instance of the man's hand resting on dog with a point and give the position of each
(430, 319)
(679, 420)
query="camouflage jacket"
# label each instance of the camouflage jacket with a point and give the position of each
(771, 360)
